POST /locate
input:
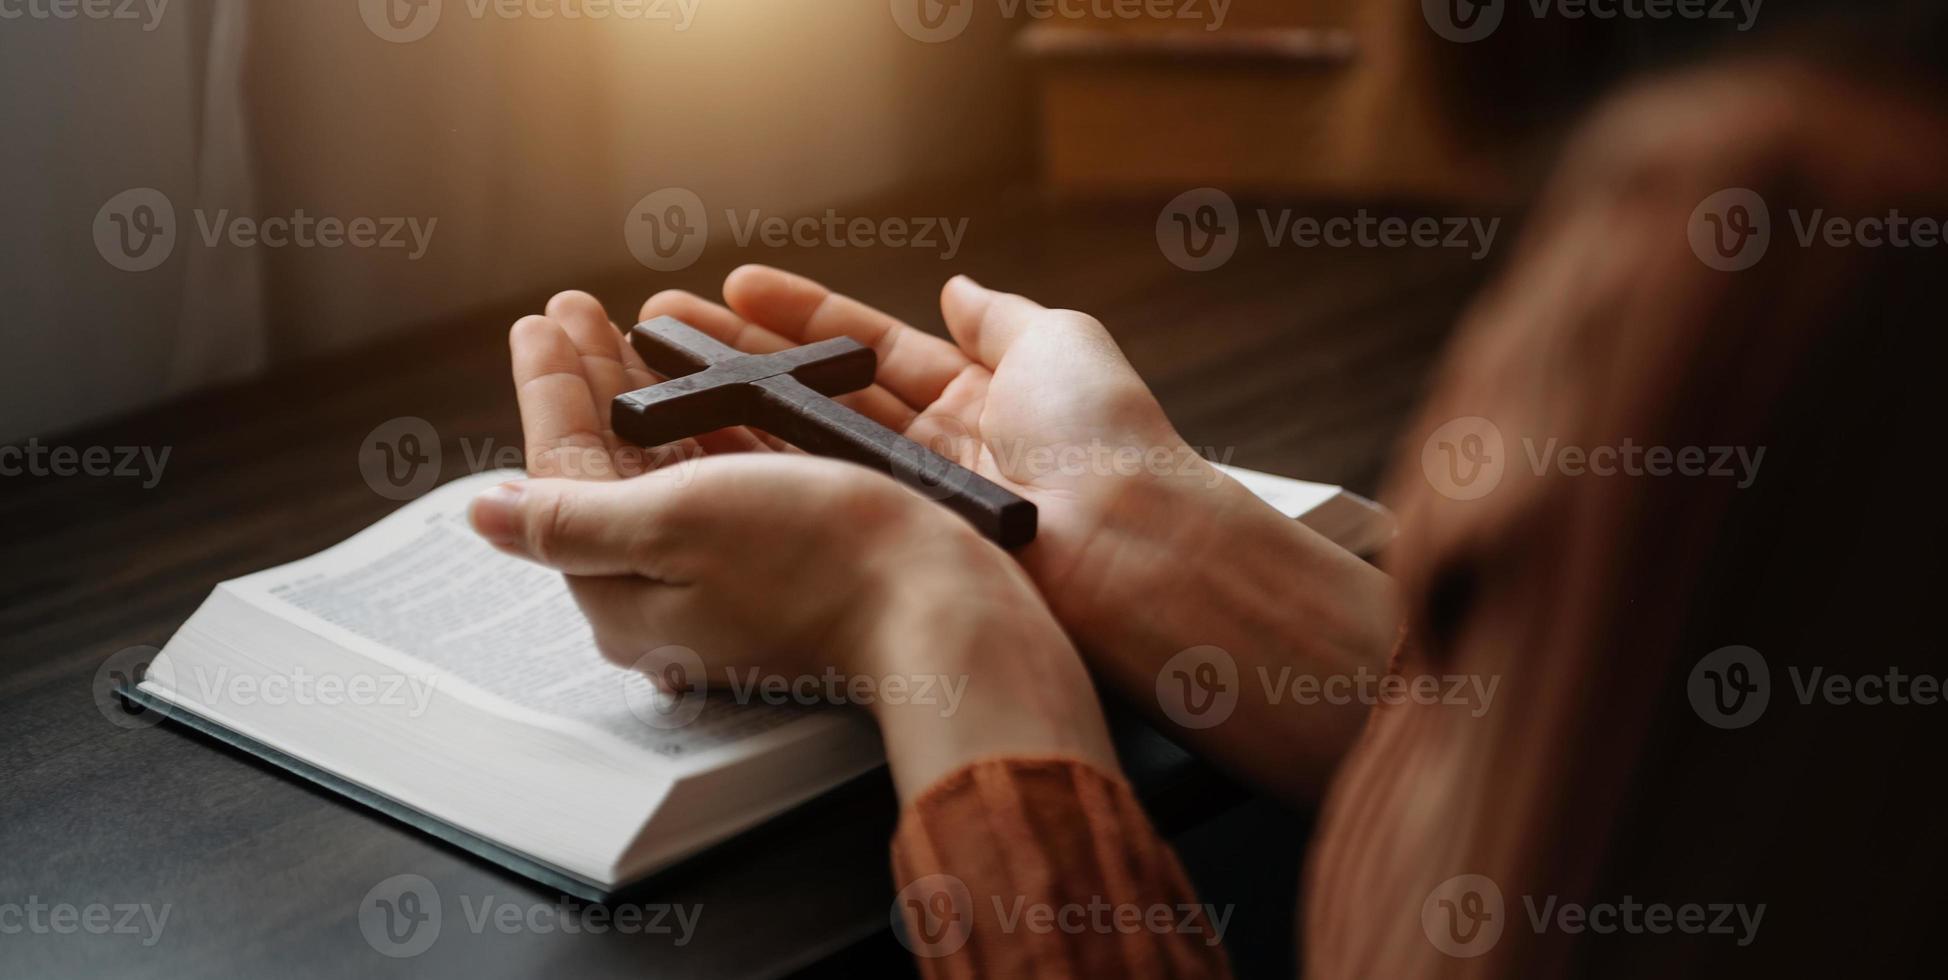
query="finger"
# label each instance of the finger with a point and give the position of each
(874, 402)
(610, 364)
(951, 426)
(623, 615)
(600, 530)
(559, 414)
(725, 326)
(739, 439)
(915, 366)
(669, 634)
(715, 320)
(984, 322)
(605, 349)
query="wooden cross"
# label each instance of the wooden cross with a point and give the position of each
(714, 386)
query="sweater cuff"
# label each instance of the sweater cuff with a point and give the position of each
(1045, 868)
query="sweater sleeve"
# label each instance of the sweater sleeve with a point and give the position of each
(1045, 868)
(1589, 762)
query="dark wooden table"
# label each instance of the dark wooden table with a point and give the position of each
(1303, 361)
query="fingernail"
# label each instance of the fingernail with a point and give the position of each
(965, 281)
(496, 515)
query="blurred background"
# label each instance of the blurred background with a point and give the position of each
(258, 240)
(522, 136)
(529, 136)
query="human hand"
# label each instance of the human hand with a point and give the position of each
(569, 365)
(1145, 549)
(792, 567)
(1040, 401)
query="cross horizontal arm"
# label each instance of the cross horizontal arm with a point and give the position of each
(676, 350)
(673, 348)
(681, 408)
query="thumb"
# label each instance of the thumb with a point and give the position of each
(581, 528)
(987, 323)
(984, 322)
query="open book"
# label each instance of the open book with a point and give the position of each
(417, 670)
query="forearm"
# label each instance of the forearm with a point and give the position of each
(1007, 681)
(1294, 631)
(1021, 852)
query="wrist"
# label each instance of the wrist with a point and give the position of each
(1269, 600)
(1214, 565)
(1152, 538)
(987, 670)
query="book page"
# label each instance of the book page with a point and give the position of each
(422, 591)
(423, 585)
(1293, 498)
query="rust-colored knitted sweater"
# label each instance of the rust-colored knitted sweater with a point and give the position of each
(1603, 774)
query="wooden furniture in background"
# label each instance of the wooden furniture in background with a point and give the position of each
(1324, 98)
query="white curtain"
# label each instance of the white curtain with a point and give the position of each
(222, 332)
(95, 109)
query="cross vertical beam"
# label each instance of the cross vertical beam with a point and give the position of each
(788, 394)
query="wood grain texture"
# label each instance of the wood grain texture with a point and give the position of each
(1302, 362)
(789, 394)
